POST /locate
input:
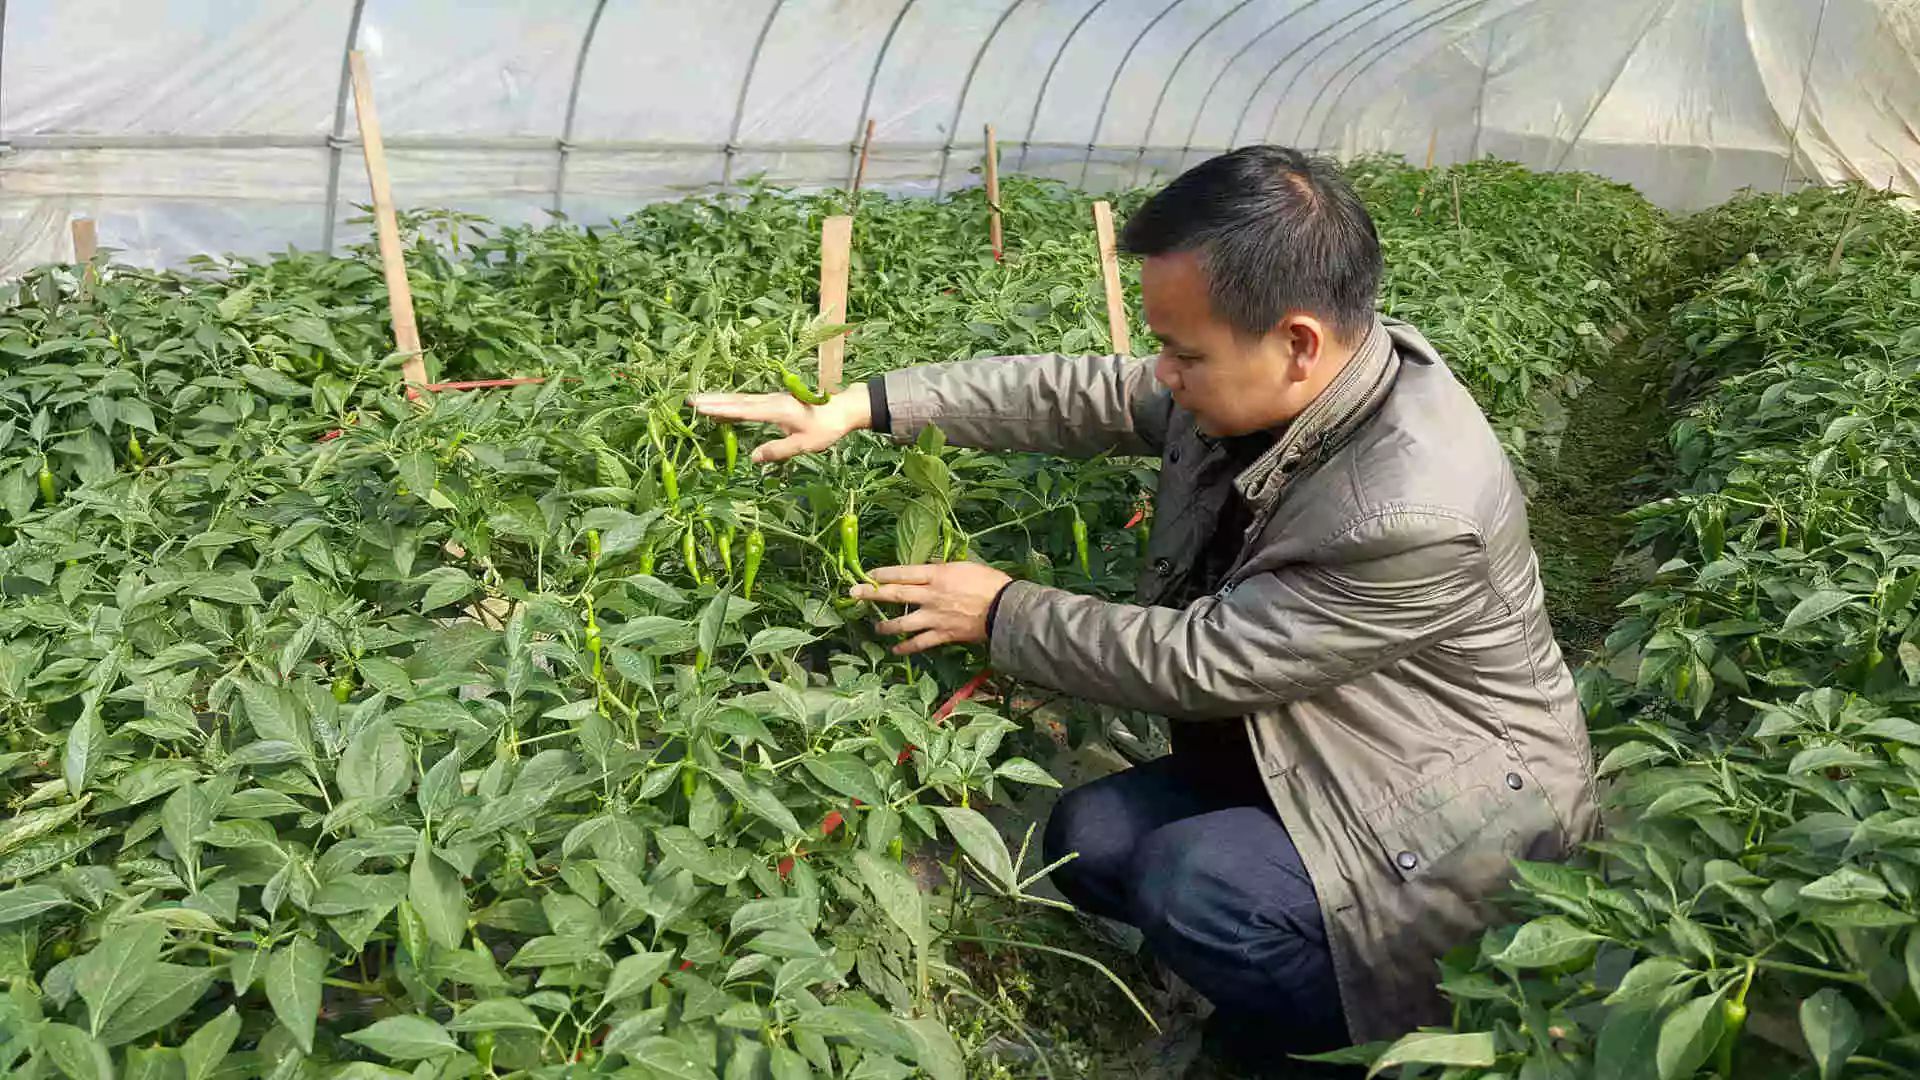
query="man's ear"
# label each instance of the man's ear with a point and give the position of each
(1306, 340)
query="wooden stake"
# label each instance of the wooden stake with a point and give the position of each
(406, 333)
(1110, 273)
(85, 244)
(836, 245)
(1456, 200)
(1433, 143)
(1846, 223)
(993, 192)
(860, 173)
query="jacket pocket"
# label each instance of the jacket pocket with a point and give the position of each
(1460, 831)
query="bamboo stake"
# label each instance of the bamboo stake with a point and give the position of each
(1433, 143)
(1846, 223)
(993, 192)
(836, 244)
(1110, 273)
(1456, 200)
(406, 333)
(860, 173)
(85, 243)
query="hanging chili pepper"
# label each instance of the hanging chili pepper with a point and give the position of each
(1080, 541)
(690, 554)
(48, 492)
(669, 479)
(1734, 1012)
(134, 450)
(647, 559)
(593, 546)
(724, 541)
(593, 644)
(850, 544)
(801, 392)
(343, 685)
(750, 567)
(731, 443)
(689, 778)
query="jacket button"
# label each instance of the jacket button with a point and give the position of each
(1513, 780)
(1407, 860)
(1173, 456)
(1163, 566)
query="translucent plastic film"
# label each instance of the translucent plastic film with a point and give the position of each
(208, 125)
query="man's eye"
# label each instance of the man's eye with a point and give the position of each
(1187, 358)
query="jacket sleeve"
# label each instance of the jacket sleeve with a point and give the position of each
(1278, 636)
(1074, 406)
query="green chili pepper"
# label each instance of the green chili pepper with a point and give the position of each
(647, 559)
(483, 1050)
(689, 777)
(801, 392)
(732, 444)
(343, 686)
(750, 568)
(134, 449)
(656, 432)
(48, 492)
(850, 544)
(669, 478)
(724, 541)
(593, 644)
(896, 849)
(1080, 541)
(1734, 1011)
(690, 554)
(593, 545)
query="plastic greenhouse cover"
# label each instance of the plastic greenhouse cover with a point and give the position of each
(225, 125)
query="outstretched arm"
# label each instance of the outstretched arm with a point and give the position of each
(1074, 406)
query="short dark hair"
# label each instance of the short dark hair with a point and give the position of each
(1276, 230)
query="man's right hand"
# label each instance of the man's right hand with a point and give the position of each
(808, 428)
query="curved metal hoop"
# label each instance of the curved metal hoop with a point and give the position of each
(1160, 99)
(866, 99)
(960, 105)
(1047, 79)
(1106, 99)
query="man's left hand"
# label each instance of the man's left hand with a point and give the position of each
(949, 601)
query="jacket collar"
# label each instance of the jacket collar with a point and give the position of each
(1326, 422)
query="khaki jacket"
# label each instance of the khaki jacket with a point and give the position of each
(1383, 635)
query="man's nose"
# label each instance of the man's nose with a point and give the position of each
(1166, 372)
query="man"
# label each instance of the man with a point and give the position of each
(1341, 614)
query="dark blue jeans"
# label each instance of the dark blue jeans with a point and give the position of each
(1193, 854)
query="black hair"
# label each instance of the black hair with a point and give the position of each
(1276, 230)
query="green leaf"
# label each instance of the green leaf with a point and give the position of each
(206, 1048)
(108, 975)
(418, 472)
(26, 901)
(165, 996)
(86, 740)
(982, 843)
(1472, 1049)
(1547, 942)
(294, 971)
(436, 894)
(555, 950)
(406, 1038)
(1816, 606)
(76, 1053)
(670, 1058)
(1629, 755)
(635, 974)
(713, 619)
(847, 775)
(1627, 1045)
(896, 893)
(496, 1014)
(1832, 1030)
(375, 764)
(1648, 980)
(1687, 1036)
(761, 801)
(226, 587)
(445, 584)
(1025, 772)
(779, 639)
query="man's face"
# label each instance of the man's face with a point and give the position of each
(1233, 384)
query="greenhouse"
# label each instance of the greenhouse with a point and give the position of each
(965, 539)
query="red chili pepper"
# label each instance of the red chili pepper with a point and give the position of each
(830, 822)
(332, 435)
(1139, 515)
(904, 755)
(971, 688)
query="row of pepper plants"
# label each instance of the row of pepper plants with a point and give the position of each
(1753, 907)
(522, 734)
